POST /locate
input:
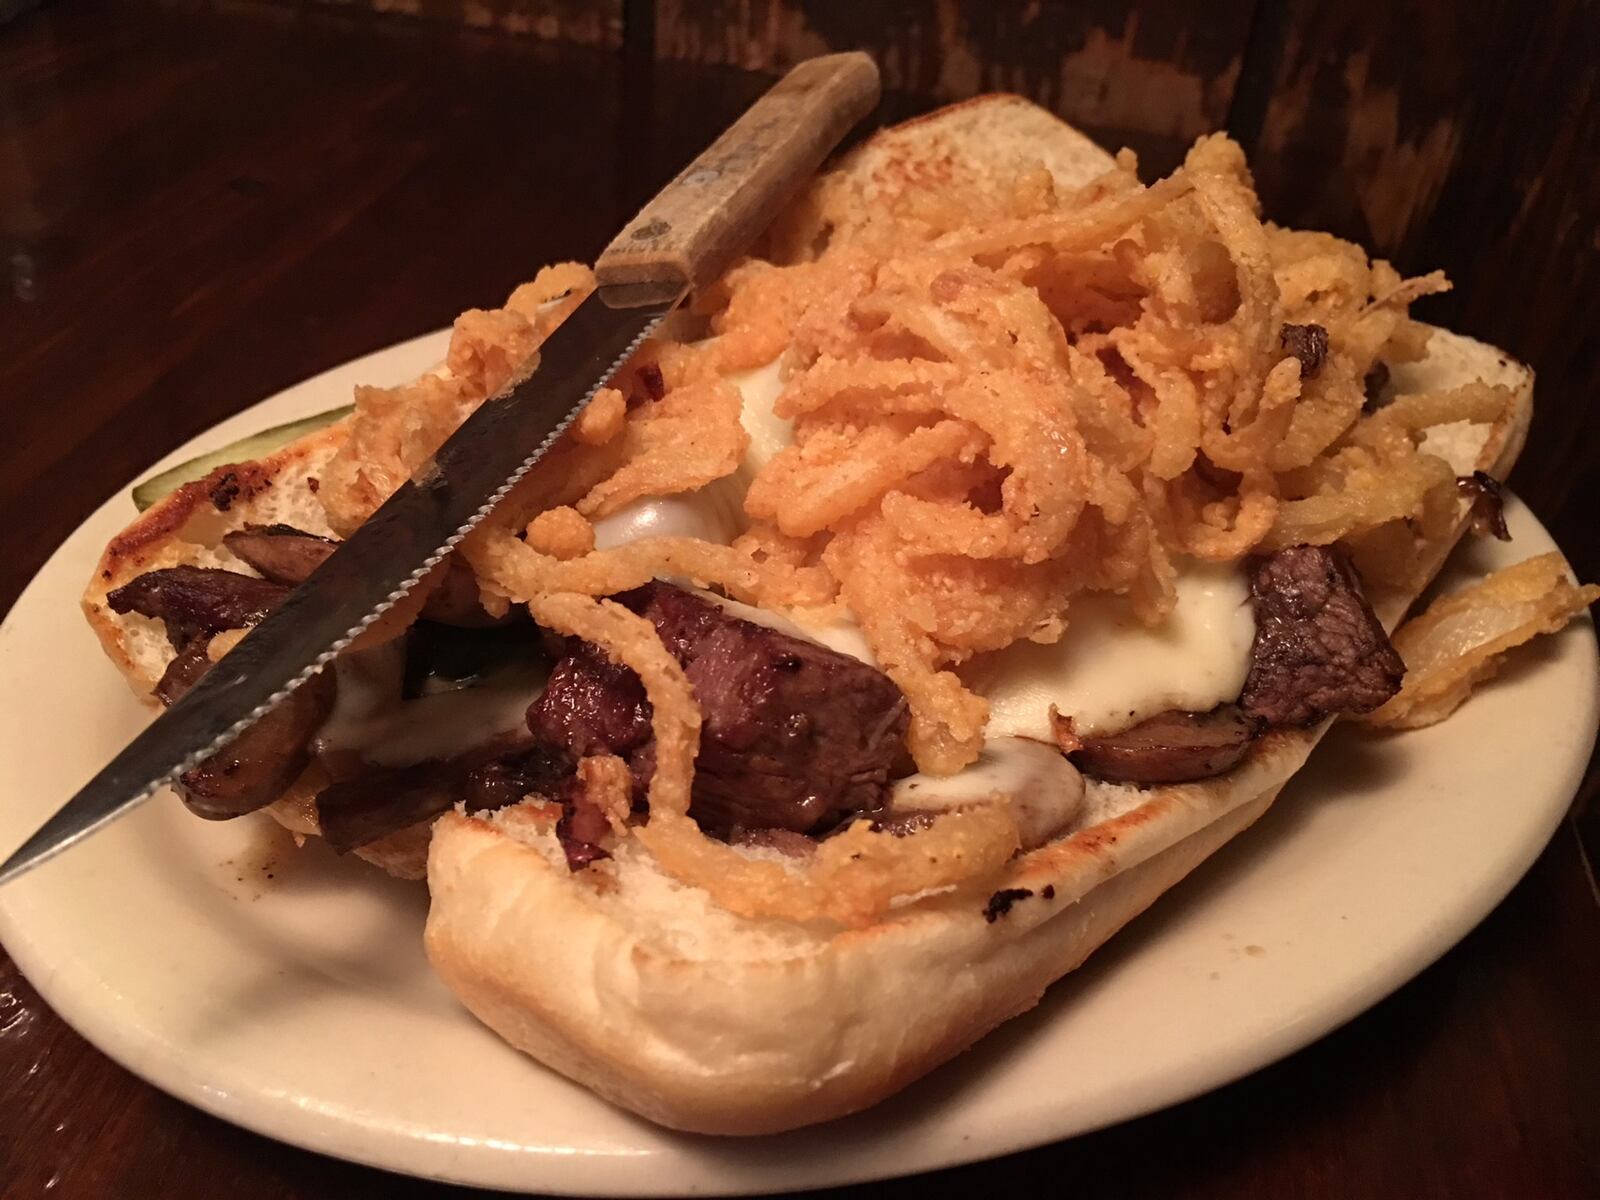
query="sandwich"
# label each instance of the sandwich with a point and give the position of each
(946, 582)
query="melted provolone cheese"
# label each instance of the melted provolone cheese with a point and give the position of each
(371, 721)
(714, 513)
(768, 432)
(1043, 789)
(835, 631)
(821, 626)
(1109, 671)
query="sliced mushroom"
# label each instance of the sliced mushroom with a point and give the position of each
(1170, 747)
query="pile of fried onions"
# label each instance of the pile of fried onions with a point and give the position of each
(1462, 637)
(1002, 395)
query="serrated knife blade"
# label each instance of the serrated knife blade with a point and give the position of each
(685, 236)
(371, 570)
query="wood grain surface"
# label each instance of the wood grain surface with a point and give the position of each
(201, 204)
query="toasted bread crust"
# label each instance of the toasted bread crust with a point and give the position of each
(743, 1048)
(157, 538)
(186, 528)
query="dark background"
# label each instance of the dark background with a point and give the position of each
(201, 203)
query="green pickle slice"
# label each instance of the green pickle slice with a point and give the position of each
(246, 449)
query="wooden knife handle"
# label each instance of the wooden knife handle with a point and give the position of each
(700, 222)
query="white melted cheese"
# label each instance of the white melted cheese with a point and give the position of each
(836, 631)
(714, 513)
(1108, 671)
(823, 626)
(1043, 789)
(372, 722)
(768, 432)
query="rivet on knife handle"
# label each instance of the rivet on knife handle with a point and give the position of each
(697, 224)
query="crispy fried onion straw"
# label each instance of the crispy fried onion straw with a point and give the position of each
(1461, 639)
(993, 394)
(512, 570)
(394, 431)
(852, 879)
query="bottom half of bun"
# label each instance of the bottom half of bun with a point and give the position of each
(712, 1024)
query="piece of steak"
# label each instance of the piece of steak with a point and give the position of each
(1319, 649)
(183, 672)
(253, 770)
(380, 801)
(281, 553)
(591, 706)
(288, 555)
(794, 736)
(194, 602)
(256, 768)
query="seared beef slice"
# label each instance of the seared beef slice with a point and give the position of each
(1319, 649)
(795, 736)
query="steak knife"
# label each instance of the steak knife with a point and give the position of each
(683, 238)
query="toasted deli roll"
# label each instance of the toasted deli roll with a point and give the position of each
(940, 587)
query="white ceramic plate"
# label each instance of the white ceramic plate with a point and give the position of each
(287, 991)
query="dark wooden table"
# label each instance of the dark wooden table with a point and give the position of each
(199, 206)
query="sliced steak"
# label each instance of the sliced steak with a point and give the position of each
(591, 706)
(288, 556)
(183, 672)
(357, 811)
(281, 553)
(581, 829)
(256, 767)
(195, 602)
(794, 736)
(1319, 649)
(1170, 747)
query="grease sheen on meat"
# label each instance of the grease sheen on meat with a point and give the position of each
(255, 768)
(1319, 649)
(591, 706)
